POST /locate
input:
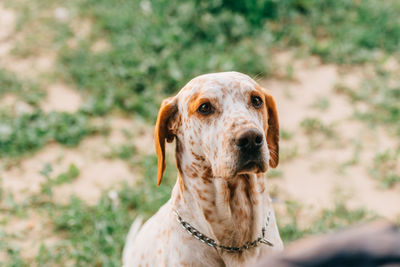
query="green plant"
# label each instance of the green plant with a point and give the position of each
(286, 135)
(25, 90)
(314, 125)
(274, 173)
(288, 153)
(386, 168)
(95, 234)
(321, 103)
(66, 177)
(29, 132)
(338, 217)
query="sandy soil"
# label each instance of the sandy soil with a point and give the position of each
(28, 67)
(315, 175)
(29, 233)
(7, 26)
(60, 97)
(97, 171)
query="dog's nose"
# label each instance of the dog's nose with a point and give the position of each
(251, 139)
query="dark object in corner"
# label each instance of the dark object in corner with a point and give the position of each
(373, 244)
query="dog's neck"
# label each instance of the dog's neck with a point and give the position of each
(231, 211)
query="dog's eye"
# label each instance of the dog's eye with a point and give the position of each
(205, 108)
(256, 101)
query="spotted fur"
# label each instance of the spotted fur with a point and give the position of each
(211, 193)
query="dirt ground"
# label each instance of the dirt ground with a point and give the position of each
(314, 170)
(316, 176)
(312, 177)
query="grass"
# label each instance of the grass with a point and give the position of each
(154, 48)
(274, 173)
(155, 53)
(381, 96)
(66, 177)
(285, 134)
(288, 153)
(25, 90)
(93, 234)
(347, 32)
(30, 132)
(336, 218)
(317, 131)
(386, 168)
(313, 126)
(354, 159)
(321, 103)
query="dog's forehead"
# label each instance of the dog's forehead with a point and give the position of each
(218, 85)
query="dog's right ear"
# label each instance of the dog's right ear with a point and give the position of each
(167, 111)
(273, 130)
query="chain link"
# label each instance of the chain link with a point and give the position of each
(212, 243)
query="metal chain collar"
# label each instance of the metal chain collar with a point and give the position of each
(212, 243)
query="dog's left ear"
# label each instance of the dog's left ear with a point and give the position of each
(167, 111)
(273, 130)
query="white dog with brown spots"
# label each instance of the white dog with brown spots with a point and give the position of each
(226, 131)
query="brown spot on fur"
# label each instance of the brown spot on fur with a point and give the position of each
(232, 188)
(193, 103)
(181, 184)
(196, 165)
(190, 170)
(198, 191)
(169, 233)
(255, 201)
(178, 155)
(215, 154)
(198, 157)
(202, 197)
(207, 174)
(240, 213)
(262, 188)
(233, 125)
(208, 215)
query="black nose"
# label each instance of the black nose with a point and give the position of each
(250, 139)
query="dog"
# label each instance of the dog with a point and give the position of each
(226, 131)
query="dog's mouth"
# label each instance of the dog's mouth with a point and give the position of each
(251, 166)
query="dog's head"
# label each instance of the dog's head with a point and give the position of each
(226, 120)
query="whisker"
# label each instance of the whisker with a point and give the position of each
(258, 76)
(273, 161)
(271, 150)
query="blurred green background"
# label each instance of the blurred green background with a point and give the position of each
(81, 83)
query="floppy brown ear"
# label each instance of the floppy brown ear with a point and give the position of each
(167, 110)
(273, 130)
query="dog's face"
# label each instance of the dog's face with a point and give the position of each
(225, 120)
